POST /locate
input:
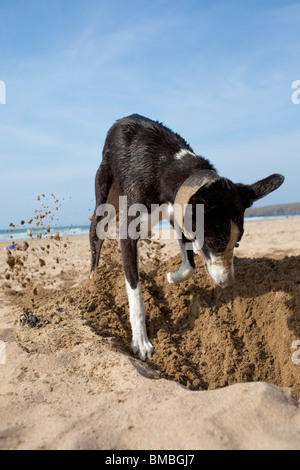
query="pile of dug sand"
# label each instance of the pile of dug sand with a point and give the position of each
(205, 337)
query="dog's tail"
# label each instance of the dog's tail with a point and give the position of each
(103, 183)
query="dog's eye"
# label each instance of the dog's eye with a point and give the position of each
(237, 245)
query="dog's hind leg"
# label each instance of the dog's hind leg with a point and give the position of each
(103, 183)
(187, 267)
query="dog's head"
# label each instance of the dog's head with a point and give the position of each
(224, 206)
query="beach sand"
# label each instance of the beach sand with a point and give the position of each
(225, 372)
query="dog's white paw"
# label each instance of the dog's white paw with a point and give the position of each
(182, 274)
(142, 347)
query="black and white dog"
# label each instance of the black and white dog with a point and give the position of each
(152, 165)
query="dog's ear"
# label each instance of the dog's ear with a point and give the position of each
(255, 191)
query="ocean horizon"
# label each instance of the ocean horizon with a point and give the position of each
(18, 234)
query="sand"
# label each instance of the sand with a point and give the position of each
(225, 372)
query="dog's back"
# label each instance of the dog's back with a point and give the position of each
(152, 156)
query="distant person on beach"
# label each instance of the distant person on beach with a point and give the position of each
(12, 247)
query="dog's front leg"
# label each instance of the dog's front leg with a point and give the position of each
(140, 343)
(187, 267)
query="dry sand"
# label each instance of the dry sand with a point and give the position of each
(222, 375)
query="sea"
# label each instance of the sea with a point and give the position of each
(18, 234)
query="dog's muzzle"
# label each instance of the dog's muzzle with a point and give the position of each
(221, 270)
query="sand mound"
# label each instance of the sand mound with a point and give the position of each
(204, 337)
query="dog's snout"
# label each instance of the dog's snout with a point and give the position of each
(222, 272)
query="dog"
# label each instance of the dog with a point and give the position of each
(155, 167)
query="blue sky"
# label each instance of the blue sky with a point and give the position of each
(218, 72)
